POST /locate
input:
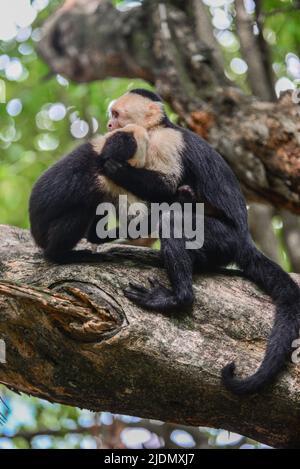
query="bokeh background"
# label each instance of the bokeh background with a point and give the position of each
(43, 116)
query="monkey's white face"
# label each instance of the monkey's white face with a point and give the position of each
(134, 109)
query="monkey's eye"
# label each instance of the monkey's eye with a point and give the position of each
(115, 114)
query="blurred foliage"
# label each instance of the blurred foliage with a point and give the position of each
(36, 118)
(282, 27)
(280, 19)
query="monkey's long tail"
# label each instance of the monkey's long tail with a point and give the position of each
(286, 295)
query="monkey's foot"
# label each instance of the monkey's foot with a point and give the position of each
(157, 298)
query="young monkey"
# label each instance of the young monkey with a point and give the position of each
(178, 157)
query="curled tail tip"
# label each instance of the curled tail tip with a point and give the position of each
(228, 374)
(228, 371)
(235, 385)
(228, 377)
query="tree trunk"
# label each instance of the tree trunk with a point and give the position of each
(254, 53)
(262, 232)
(72, 337)
(92, 40)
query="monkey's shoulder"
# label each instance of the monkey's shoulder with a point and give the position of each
(164, 138)
(165, 150)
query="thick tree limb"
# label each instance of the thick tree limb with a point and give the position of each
(91, 40)
(72, 337)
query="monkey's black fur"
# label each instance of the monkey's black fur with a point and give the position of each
(64, 199)
(226, 240)
(147, 94)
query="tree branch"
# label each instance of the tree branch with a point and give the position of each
(256, 53)
(259, 80)
(205, 32)
(260, 224)
(264, 50)
(72, 337)
(291, 238)
(92, 40)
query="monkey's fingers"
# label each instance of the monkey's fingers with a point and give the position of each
(111, 166)
(156, 284)
(186, 194)
(135, 295)
(153, 282)
(138, 287)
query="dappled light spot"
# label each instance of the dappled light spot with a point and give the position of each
(283, 84)
(183, 439)
(23, 34)
(225, 438)
(57, 112)
(135, 438)
(79, 128)
(47, 142)
(14, 70)
(14, 107)
(238, 66)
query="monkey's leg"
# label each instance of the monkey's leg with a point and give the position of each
(63, 235)
(114, 234)
(93, 237)
(219, 248)
(179, 265)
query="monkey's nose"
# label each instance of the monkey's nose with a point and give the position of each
(112, 124)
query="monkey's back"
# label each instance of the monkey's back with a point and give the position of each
(70, 184)
(209, 173)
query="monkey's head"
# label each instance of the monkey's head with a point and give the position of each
(139, 106)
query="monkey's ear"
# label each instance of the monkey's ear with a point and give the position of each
(155, 108)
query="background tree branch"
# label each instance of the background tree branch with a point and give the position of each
(73, 338)
(254, 53)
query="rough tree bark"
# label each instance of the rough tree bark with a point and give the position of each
(72, 337)
(91, 40)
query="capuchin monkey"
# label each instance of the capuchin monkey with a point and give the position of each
(64, 199)
(178, 157)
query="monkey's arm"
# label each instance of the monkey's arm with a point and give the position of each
(120, 146)
(144, 183)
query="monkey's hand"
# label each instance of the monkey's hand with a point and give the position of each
(156, 298)
(111, 167)
(186, 194)
(119, 147)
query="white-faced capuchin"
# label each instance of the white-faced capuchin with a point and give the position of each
(178, 157)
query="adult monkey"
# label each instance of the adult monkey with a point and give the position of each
(187, 159)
